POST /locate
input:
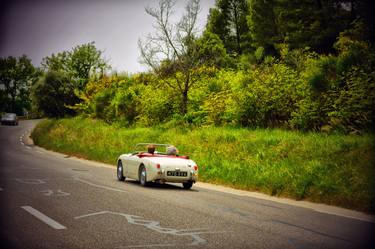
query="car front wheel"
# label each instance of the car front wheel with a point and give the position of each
(143, 176)
(120, 170)
(187, 185)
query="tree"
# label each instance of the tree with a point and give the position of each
(16, 77)
(262, 25)
(228, 21)
(86, 60)
(53, 93)
(78, 64)
(301, 24)
(171, 51)
(210, 50)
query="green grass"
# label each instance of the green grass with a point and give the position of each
(332, 169)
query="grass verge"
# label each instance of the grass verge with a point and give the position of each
(331, 169)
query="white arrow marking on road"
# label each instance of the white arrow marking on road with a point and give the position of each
(155, 226)
(44, 218)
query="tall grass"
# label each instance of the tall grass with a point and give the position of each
(333, 169)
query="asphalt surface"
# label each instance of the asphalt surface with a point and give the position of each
(48, 200)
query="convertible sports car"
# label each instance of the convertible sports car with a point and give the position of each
(149, 164)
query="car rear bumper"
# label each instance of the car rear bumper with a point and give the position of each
(8, 122)
(161, 176)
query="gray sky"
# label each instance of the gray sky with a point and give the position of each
(39, 28)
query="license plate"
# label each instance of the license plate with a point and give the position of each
(176, 173)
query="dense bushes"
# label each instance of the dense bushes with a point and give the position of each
(301, 90)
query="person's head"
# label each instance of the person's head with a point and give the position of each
(151, 148)
(171, 150)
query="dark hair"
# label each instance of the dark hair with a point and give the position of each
(151, 148)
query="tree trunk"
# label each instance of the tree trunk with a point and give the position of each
(13, 102)
(184, 103)
(185, 90)
(238, 38)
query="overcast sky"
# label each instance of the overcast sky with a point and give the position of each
(39, 28)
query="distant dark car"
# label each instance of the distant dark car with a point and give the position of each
(9, 119)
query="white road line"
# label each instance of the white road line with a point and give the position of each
(343, 215)
(100, 186)
(43, 218)
(150, 245)
(1, 189)
(28, 147)
(23, 143)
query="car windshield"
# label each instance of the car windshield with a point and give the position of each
(9, 115)
(159, 148)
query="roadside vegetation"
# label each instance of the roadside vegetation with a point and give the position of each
(333, 169)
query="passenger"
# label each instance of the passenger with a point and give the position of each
(151, 148)
(171, 150)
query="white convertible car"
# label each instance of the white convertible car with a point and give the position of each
(157, 163)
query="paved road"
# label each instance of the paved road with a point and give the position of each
(51, 201)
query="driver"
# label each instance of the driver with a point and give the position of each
(151, 148)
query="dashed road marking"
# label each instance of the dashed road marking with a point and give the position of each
(43, 217)
(1, 189)
(28, 147)
(30, 181)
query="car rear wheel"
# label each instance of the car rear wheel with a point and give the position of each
(187, 185)
(143, 176)
(120, 170)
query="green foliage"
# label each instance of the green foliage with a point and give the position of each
(262, 25)
(228, 20)
(101, 105)
(16, 77)
(53, 93)
(67, 74)
(79, 63)
(339, 90)
(257, 64)
(333, 169)
(259, 54)
(211, 51)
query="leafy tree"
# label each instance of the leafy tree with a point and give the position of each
(171, 52)
(57, 62)
(228, 20)
(262, 25)
(86, 60)
(210, 50)
(16, 77)
(53, 93)
(78, 64)
(299, 24)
